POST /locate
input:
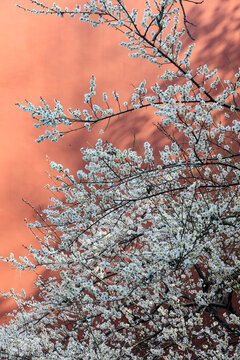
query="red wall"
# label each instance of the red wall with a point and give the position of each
(55, 58)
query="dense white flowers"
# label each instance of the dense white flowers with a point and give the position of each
(142, 251)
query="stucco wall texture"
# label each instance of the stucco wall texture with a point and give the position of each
(55, 58)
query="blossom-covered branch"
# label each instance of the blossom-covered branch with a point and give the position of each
(142, 251)
(191, 89)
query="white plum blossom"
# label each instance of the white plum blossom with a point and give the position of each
(141, 250)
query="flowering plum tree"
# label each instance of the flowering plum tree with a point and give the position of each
(142, 254)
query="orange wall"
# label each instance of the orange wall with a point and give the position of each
(54, 58)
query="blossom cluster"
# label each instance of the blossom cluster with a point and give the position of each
(141, 251)
(132, 247)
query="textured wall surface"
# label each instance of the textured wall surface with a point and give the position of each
(54, 58)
